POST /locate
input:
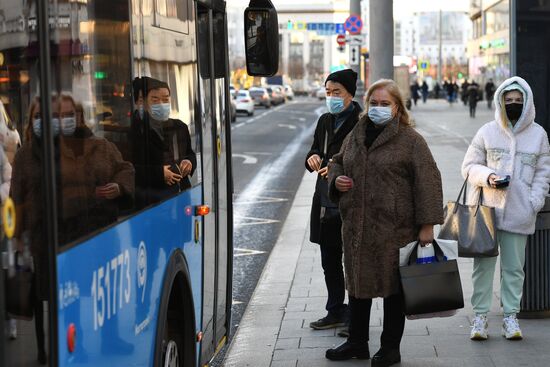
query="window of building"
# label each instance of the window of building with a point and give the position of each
(497, 17)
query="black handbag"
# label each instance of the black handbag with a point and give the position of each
(433, 287)
(472, 226)
(19, 288)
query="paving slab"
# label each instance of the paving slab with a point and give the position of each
(274, 331)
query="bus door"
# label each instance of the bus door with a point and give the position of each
(28, 226)
(216, 240)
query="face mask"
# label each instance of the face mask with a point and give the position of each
(380, 116)
(513, 111)
(140, 111)
(68, 126)
(37, 127)
(335, 105)
(160, 111)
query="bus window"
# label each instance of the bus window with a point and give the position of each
(166, 145)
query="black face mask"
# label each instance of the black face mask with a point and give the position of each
(513, 111)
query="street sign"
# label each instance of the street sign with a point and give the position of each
(353, 24)
(354, 53)
(424, 65)
(355, 40)
(341, 39)
(340, 28)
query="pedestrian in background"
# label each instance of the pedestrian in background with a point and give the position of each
(450, 89)
(512, 145)
(415, 92)
(325, 223)
(464, 93)
(388, 188)
(472, 95)
(490, 92)
(437, 90)
(424, 89)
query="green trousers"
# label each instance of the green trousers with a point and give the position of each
(512, 260)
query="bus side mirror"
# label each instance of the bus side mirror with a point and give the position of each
(261, 35)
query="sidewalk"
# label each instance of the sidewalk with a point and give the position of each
(274, 331)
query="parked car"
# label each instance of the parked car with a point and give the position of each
(245, 103)
(289, 92)
(321, 93)
(261, 97)
(233, 110)
(275, 95)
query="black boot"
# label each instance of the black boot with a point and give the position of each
(386, 357)
(348, 350)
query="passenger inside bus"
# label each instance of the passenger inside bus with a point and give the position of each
(95, 182)
(26, 192)
(164, 168)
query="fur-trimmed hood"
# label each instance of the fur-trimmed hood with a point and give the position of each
(527, 115)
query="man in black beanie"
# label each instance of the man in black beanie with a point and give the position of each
(325, 224)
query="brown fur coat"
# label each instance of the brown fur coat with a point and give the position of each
(397, 188)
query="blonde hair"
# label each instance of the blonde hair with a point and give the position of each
(393, 89)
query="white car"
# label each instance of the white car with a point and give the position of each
(245, 102)
(321, 93)
(289, 92)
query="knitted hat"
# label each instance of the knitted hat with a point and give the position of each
(346, 77)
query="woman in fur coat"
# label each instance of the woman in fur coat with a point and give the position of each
(388, 188)
(511, 145)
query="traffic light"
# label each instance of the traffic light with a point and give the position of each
(460, 75)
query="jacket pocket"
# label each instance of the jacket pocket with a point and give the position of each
(495, 158)
(528, 166)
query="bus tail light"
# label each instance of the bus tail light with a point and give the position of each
(71, 338)
(202, 210)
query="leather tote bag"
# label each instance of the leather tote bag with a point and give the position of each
(472, 226)
(433, 287)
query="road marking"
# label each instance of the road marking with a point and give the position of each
(259, 200)
(320, 110)
(258, 153)
(265, 113)
(252, 221)
(237, 252)
(235, 302)
(291, 127)
(248, 159)
(261, 182)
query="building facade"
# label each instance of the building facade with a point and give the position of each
(419, 38)
(489, 47)
(308, 48)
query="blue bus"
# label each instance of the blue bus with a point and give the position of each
(116, 208)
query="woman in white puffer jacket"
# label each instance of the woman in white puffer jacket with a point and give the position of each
(512, 145)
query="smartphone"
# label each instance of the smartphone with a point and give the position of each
(502, 182)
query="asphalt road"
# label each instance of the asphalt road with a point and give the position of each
(269, 150)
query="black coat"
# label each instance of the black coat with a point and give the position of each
(150, 154)
(328, 229)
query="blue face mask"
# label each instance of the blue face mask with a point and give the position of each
(68, 126)
(380, 116)
(37, 127)
(160, 111)
(335, 105)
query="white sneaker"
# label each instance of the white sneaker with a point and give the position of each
(479, 328)
(510, 328)
(13, 329)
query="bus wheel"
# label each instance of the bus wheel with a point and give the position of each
(173, 350)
